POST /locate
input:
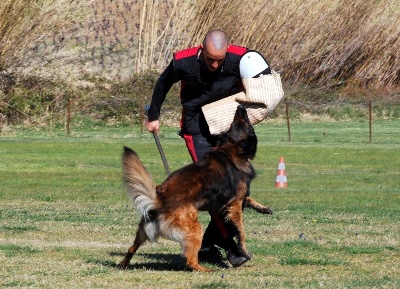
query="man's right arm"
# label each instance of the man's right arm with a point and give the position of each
(163, 85)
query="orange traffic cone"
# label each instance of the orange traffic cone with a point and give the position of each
(281, 180)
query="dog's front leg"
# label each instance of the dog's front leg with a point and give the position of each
(236, 216)
(251, 203)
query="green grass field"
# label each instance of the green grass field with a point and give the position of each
(66, 222)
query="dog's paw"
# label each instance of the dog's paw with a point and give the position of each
(266, 210)
(122, 266)
(263, 210)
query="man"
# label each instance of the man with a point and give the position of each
(208, 72)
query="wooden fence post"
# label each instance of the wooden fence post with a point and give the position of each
(68, 116)
(141, 115)
(1, 122)
(370, 121)
(288, 119)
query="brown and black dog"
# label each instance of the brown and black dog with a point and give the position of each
(218, 182)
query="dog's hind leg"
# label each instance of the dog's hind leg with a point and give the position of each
(187, 230)
(140, 238)
(191, 248)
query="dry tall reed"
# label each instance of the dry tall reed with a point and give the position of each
(319, 42)
(323, 43)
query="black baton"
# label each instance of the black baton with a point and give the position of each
(160, 150)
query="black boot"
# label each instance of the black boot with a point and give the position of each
(212, 236)
(212, 256)
(235, 257)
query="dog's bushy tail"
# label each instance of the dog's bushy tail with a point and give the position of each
(139, 183)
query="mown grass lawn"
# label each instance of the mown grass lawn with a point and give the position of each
(66, 222)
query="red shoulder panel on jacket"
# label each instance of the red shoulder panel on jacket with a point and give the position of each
(186, 53)
(235, 49)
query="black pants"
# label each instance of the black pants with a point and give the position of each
(218, 232)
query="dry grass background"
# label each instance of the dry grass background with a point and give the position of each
(105, 55)
(325, 43)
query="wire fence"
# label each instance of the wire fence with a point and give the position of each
(383, 131)
(371, 125)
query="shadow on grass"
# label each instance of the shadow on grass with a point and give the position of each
(157, 262)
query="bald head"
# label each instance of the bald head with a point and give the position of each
(216, 39)
(214, 49)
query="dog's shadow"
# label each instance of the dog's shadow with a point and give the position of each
(160, 262)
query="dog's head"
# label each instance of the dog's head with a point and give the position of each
(241, 133)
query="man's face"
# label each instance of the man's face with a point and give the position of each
(212, 57)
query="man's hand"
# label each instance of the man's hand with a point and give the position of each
(153, 126)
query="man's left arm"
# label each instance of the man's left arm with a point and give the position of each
(221, 88)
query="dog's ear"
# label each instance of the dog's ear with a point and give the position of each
(222, 139)
(249, 146)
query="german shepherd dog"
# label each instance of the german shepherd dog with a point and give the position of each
(217, 182)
